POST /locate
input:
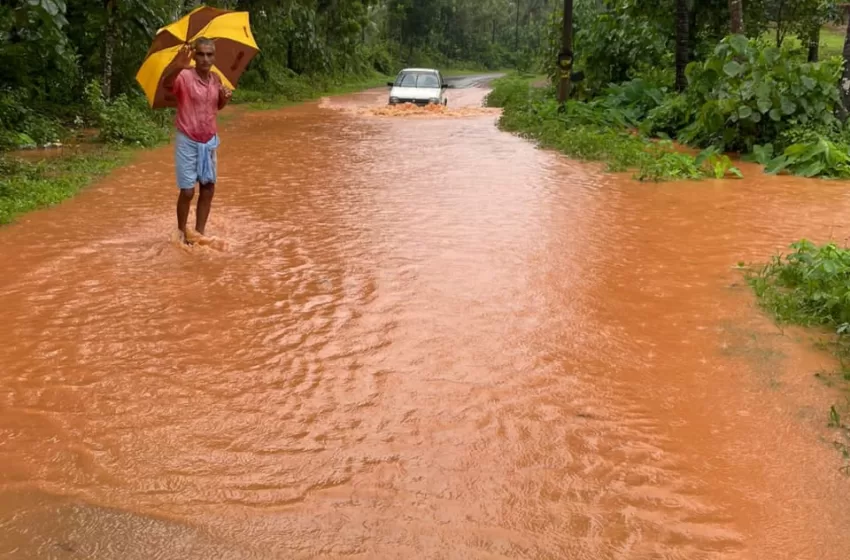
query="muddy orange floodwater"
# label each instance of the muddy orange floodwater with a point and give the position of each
(414, 338)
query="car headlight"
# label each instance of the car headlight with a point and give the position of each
(434, 100)
(394, 100)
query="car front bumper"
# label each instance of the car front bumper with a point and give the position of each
(419, 102)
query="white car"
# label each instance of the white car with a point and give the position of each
(421, 86)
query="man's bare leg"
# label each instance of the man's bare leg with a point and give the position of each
(184, 203)
(205, 197)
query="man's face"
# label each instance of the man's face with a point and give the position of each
(204, 56)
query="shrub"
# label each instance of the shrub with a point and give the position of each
(809, 286)
(21, 126)
(745, 94)
(126, 120)
(817, 158)
(509, 91)
(633, 99)
(668, 118)
(662, 163)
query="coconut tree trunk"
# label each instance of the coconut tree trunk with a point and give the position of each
(779, 25)
(736, 15)
(814, 44)
(565, 59)
(108, 48)
(683, 31)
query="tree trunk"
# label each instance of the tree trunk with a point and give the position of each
(692, 31)
(516, 29)
(565, 59)
(682, 43)
(736, 17)
(814, 44)
(108, 48)
(779, 25)
(844, 86)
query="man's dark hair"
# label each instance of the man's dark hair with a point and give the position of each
(204, 41)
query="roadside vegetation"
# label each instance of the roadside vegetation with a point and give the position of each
(26, 186)
(67, 69)
(669, 89)
(810, 286)
(652, 77)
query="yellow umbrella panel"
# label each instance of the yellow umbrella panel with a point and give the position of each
(234, 49)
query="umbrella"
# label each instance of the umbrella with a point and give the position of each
(234, 49)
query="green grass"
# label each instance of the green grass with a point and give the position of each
(27, 186)
(831, 41)
(809, 286)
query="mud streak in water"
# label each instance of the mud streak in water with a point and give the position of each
(418, 338)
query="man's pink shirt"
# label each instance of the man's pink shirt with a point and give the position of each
(197, 105)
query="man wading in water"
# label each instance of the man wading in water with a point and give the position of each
(200, 95)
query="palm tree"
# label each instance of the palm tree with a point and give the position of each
(566, 55)
(736, 13)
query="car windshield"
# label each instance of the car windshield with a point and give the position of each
(418, 79)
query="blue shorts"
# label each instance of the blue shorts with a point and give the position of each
(195, 162)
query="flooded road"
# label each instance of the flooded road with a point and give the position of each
(416, 338)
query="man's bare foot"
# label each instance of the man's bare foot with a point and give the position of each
(184, 238)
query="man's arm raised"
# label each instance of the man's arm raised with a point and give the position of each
(181, 62)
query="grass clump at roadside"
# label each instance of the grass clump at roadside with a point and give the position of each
(601, 130)
(811, 287)
(27, 186)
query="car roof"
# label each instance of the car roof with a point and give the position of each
(420, 70)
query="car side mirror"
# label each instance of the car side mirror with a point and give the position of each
(390, 84)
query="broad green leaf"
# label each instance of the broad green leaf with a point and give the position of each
(764, 104)
(776, 165)
(50, 6)
(733, 68)
(809, 83)
(745, 112)
(763, 154)
(772, 55)
(788, 106)
(775, 115)
(813, 169)
(739, 43)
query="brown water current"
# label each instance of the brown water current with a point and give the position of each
(413, 338)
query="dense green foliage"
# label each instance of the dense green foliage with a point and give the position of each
(601, 130)
(753, 93)
(746, 94)
(53, 51)
(810, 286)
